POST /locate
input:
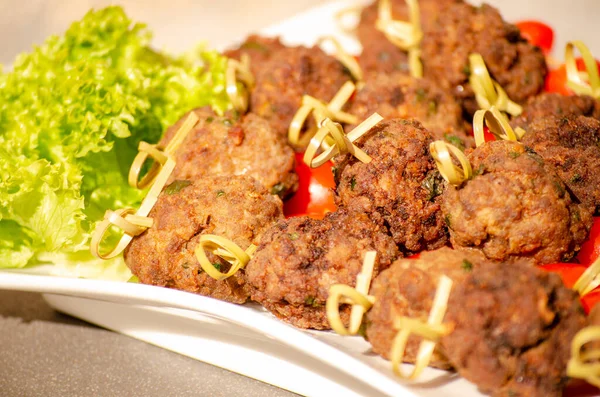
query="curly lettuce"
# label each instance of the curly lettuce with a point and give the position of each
(72, 112)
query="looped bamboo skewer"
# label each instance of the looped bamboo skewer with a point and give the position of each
(160, 156)
(132, 222)
(238, 82)
(320, 111)
(358, 297)
(406, 35)
(442, 153)
(226, 249)
(488, 92)
(341, 143)
(588, 81)
(498, 125)
(430, 331)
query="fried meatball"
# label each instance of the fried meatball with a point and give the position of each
(258, 48)
(236, 207)
(552, 104)
(572, 145)
(286, 76)
(407, 289)
(379, 54)
(397, 95)
(511, 330)
(300, 258)
(226, 146)
(515, 205)
(463, 29)
(401, 184)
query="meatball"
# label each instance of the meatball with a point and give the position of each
(515, 205)
(509, 346)
(286, 76)
(463, 29)
(258, 48)
(236, 207)
(379, 54)
(397, 95)
(552, 104)
(300, 258)
(572, 145)
(228, 146)
(407, 289)
(401, 184)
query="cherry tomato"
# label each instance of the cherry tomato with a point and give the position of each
(570, 272)
(487, 135)
(315, 191)
(538, 34)
(590, 250)
(556, 80)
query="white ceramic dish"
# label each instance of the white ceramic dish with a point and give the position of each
(247, 339)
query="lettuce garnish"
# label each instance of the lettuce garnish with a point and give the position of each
(72, 113)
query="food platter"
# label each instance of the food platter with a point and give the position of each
(246, 339)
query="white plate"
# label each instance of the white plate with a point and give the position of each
(247, 339)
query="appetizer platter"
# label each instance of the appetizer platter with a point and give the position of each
(403, 201)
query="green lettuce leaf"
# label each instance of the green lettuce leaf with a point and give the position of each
(72, 113)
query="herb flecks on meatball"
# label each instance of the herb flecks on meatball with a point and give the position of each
(515, 206)
(230, 145)
(300, 258)
(511, 329)
(234, 207)
(401, 184)
(407, 289)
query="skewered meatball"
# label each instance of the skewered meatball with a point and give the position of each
(509, 346)
(258, 48)
(407, 289)
(379, 54)
(287, 75)
(515, 205)
(571, 145)
(401, 184)
(300, 258)
(226, 146)
(463, 29)
(552, 104)
(397, 95)
(236, 207)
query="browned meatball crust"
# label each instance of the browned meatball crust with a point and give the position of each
(397, 95)
(407, 289)
(236, 207)
(511, 330)
(286, 76)
(401, 184)
(258, 48)
(553, 104)
(463, 29)
(379, 54)
(515, 205)
(226, 146)
(572, 145)
(300, 258)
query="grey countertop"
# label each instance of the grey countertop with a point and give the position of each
(46, 353)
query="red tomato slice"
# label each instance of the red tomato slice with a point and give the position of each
(556, 80)
(590, 250)
(569, 272)
(315, 191)
(538, 34)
